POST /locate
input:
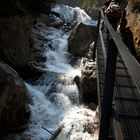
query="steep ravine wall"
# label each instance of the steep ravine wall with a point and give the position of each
(133, 22)
(130, 26)
(20, 53)
(18, 47)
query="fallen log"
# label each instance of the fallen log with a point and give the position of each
(57, 132)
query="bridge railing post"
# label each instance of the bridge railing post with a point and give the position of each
(98, 28)
(106, 104)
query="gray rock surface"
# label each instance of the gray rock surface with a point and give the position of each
(81, 38)
(14, 110)
(18, 46)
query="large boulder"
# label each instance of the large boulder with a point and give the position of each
(14, 111)
(81, 38)
(18, 47)
(50, 20)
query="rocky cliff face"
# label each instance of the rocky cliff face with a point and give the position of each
(21, 49)
(133, 23)
(15, 41)
(22, 7)
(14, 112)
(87, 83)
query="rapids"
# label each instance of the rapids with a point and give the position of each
(55, 97)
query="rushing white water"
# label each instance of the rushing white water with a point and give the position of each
(57, 101)
(57, 55)
(69, 14)
(47, 112)
(55, 98)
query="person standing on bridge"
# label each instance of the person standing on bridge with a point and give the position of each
(113, 13)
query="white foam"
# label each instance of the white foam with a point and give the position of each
(52, 105)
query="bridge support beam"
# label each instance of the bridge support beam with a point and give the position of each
(106, 104)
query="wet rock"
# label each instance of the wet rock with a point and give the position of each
(14, 111)
(50, 20)
(87, 83)
(69, 26)
(37, 67)
(18, 46)
(77, 81)
(38, 50)
(81, 38)
(62, 84)
(91, 124)
(39, 57)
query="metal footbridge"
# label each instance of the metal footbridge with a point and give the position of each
(118, 86)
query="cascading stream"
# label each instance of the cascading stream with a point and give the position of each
(55, 97)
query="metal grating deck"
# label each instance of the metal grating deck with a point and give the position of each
(126, 99)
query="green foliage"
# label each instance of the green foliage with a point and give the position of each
(91, 3)
(87, 3)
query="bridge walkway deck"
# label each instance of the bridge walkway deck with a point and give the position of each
(126, 97)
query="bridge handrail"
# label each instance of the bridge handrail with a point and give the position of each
(129, 60)
(115, 45)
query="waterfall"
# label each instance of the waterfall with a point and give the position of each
(57, 55)
(72, 14)
(55, 97)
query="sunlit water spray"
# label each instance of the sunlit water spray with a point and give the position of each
(57, 56)
(55, 97)
(72, 14)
